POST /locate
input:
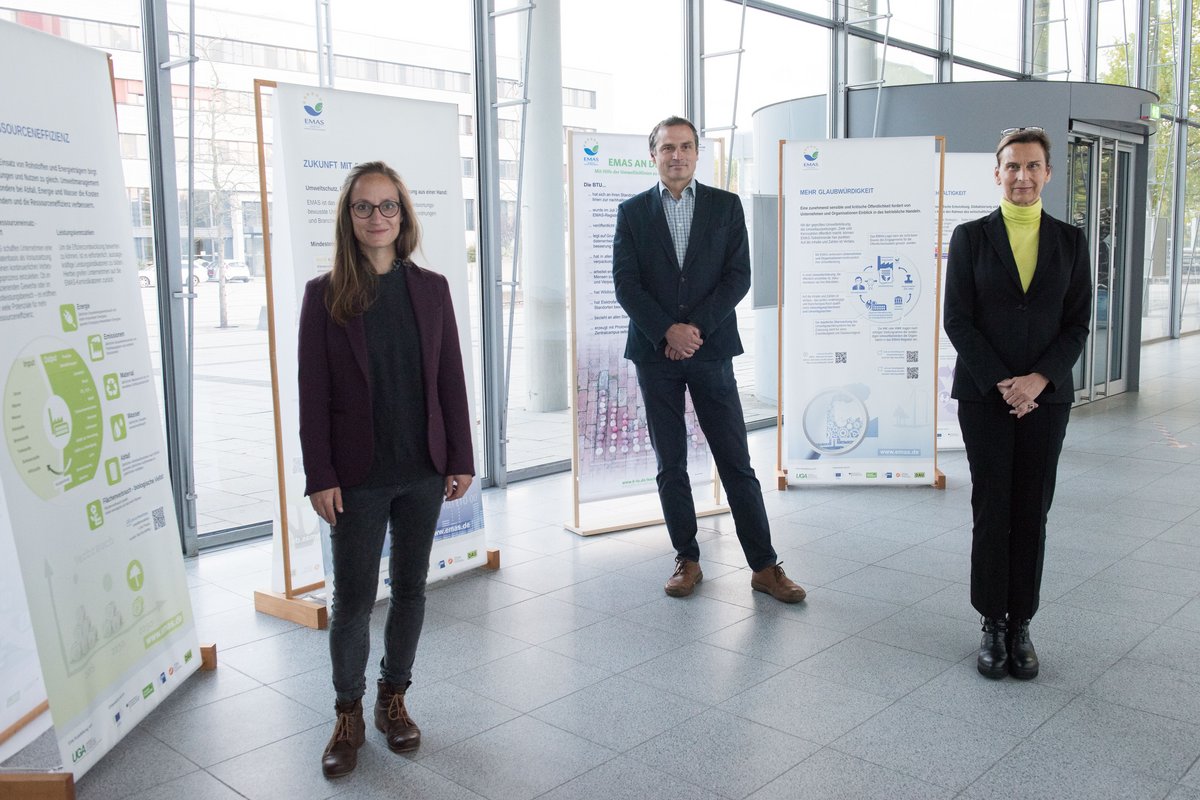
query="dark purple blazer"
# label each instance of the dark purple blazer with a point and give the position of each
(336, 425)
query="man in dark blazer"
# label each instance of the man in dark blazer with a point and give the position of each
(1018, 304)
(680, 264)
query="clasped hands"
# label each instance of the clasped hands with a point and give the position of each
(683, 340)
(1020, 392)
(328, 502)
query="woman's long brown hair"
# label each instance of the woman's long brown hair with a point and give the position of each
(352, 280)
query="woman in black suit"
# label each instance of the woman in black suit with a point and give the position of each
(1018, 303)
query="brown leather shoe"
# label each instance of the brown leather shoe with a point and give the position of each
(349, 733)
(392, 718)
(774, 582)
(687, 574)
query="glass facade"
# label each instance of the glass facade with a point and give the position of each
(741, 57)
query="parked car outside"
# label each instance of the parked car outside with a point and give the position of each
(148, 275)
(235, 271)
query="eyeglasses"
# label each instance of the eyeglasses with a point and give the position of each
(1011, 131)
(363, 210)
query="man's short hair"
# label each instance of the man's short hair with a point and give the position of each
(1024, 136)
(670, 122)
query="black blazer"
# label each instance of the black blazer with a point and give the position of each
(656, 293)
(1001, 331)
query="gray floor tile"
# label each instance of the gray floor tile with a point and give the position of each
(1011, 706)
(615, 644)
(539, 619)
(1030, 772)
(137, 763)
(1187, 617)
(890, 585)
(806, 706)
(1171, 647)
(1094, 730)
(315, 688)
(473, 597)
(1074, 561)
(923, 560)
(775, 638)
(613, 593)
(208, 598)
(731, 755)
(658, 569)
(237, 626)
(290, 769)
(692, 617)
(1171, 554)
(734, 587)
(928, 746)
(625, 778)
(1184, 793)
(1098, 594)
(1152, 509)
(198, 785)
(830, 775)
(619, 713)
(609, 554)
(931, 634)
(529, 678)
(703, 672)
(854, 547)
(279, 657)
(221, 730)
(904, 531)
(848, 613)
(1070, 666)
(1150, 687)
(811, 569)
(1157, 577)
(1078, 626)
(545, 574)
(207, 687)
(448, 714)
(518, 760)
(874, 667)
(458, 648)
(953, 601)
(413, 782)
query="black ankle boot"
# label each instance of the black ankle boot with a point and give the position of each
(993, 649)
(1022, 658)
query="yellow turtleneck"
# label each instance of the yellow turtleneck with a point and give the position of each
(1022, 224)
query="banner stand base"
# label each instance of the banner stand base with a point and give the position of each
(939, 479)
(208, 657)
(493, 559)
(38, 785)
(582, 530)
(781, 482)
(309, 613)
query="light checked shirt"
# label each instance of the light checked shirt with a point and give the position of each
(679, 216)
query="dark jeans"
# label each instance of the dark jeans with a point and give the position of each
(1014, 464)
(719, 410)
(357, 542)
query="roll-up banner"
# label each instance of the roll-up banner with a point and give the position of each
(860, 320)
(970, 193)
(319, 136)
(88, 509)
(612, 445)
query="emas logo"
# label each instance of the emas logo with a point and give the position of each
(810, 157)
(314, 107)
(591, 151)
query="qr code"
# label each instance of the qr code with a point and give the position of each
(911, 356)
(914, 373)
(160, 519)
(839, 357)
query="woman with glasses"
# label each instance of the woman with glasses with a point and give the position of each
(1018, 302)
(386, 437)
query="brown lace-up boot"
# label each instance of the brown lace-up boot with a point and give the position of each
(349, 733)
(392, 718)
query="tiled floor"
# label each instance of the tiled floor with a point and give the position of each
(569, 674)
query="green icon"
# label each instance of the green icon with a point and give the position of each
(148, 690)
(119, 431)
(66, 313)
(95, 514)
(134, 575)
(112, 386)
(59, 427)
(95, 347)
(112, 471)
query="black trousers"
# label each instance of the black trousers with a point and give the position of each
(1014, 465)
(719, 411)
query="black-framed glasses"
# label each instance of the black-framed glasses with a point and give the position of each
(363, 210)
(1011, 131)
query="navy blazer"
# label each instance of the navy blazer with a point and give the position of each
(337, 436)
(1000, 330)
(656, 293)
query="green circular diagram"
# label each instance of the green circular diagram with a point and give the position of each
(53, 422)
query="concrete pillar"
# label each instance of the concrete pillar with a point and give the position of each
(543, 238)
